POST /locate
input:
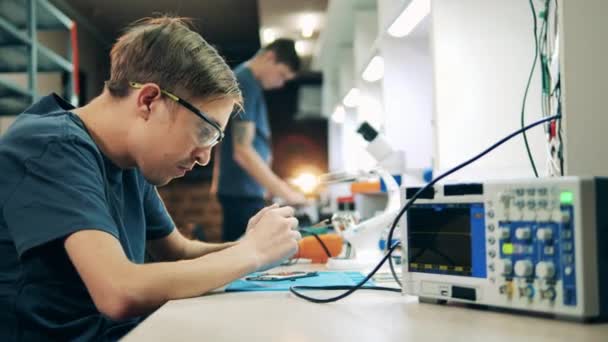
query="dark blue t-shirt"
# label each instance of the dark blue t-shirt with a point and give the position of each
(54, 181)
(234, 180)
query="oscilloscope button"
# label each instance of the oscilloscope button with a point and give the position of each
(544, 234)
(504, 233)
(504, 267)
(522, 233)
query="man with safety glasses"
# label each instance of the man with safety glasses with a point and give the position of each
(242, 174)
(78, 199)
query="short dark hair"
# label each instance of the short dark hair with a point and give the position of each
(285, 52)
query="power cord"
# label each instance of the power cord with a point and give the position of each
(316, 236)
(350, 289)
(341, 287)
(322, 244)
(410, 202)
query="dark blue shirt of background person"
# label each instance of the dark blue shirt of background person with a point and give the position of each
(240, 195)
(55, 182)
(233, 180)
(244, 175)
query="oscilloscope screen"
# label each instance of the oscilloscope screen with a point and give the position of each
(439, 239)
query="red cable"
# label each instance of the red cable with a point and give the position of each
(552, 130)
(75, 59)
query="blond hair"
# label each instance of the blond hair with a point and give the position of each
(165, 50)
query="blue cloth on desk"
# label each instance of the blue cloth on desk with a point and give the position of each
(323, 279)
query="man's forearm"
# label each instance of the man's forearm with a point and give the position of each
(195, 249)
(176, 247)
(152, 285)
(250, 160)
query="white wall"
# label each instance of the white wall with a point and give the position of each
(482, 52)
(346, 151)
(408, 98)
(584, 54)
(346, 72)
(352, 155)
(370, 108)
(366, 24)
(334, 146)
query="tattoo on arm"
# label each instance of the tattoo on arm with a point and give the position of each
(241, 132)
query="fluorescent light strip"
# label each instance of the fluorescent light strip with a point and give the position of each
(374, 70)
(352, 98)
(411, 16)
(339, 114)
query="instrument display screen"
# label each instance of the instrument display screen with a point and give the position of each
(447, 239)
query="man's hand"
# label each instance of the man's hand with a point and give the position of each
(295, 198)
(213, 189)
(270, 236)
(256, 218)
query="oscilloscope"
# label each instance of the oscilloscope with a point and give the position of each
(537, 245)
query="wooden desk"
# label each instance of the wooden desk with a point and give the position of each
(364, 316)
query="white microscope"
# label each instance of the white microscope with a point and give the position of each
(364, 236)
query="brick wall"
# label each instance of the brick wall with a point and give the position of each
(190, 205)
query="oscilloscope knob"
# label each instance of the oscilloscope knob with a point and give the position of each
(523, 268)
(545, 270)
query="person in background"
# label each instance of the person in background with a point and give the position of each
(242, 172)
(78, 201)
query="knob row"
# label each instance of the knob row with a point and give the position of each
(524, 268)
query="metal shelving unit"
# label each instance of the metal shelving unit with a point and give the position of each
(22, 53)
